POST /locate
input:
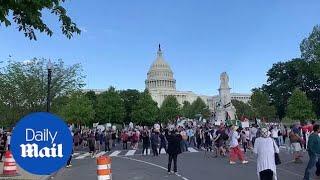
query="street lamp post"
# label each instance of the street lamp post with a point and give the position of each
(49, 67)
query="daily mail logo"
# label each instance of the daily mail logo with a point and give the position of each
(32, 150)
(41, 143)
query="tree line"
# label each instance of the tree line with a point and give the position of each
(292, 90)
(23, 90)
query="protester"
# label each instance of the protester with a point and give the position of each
(253, 134)
(295, 140)
(124, 139)
(221, 138)
(244, 141)
(107, 141)
(91, 142)
(154, 142)
(184, 143)
(275, 134)
(208, 140)
(313, 151)
(235, 152)
(174, 149)
(265, 147)
(145, 142)
(163, 142)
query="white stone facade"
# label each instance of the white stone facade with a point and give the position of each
(161, 83)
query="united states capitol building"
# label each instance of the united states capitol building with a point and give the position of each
(161, 83)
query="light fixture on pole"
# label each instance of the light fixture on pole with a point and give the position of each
(49, 68)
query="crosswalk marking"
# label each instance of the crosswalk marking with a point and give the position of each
(190, 149)
(76, 154)
(130, 153)
(100, 154)
(83, 156)
(115, 153)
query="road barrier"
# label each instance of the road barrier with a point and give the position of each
(104, 171)
(9, 166)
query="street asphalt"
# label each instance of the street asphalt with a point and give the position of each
(191, 166)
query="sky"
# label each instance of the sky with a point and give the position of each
(200, 39)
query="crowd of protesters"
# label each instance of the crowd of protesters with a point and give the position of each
(232, 141)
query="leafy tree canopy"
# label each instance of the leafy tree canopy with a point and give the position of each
(200, 107)
(79, 109)
(110, 107)
(130, 98)
(243, 109)
(23, 86)
(300, 107)
(186, 110)
(169, 110)
(310, 47)
(145, 110)
(260, 104)
(28, 15)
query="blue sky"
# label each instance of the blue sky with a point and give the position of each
(200, 39)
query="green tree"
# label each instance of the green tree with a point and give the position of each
(130, 98)
(91, 95)
(27, 14)
(79, 109)
(110, 107)
(299, 106)
(145, 110)
(23, 86)
(169, 110)
(260, 104)
(243, 109)
(199, 107)
(310, 46)
(186, 110)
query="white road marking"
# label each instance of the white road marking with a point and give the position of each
(76, 154)
(83, 156)
(100, 154)
(115, 153)
(151, 164)
(190, 149)
(130, 153)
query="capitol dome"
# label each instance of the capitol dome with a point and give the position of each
(160, 75)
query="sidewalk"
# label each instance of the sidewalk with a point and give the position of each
(23, 175)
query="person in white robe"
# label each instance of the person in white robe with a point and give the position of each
(265, 148)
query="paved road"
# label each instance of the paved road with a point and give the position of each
(192, 166)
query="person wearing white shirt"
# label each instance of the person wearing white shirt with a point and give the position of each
(265, 147)
(253, 134)
(275, 135)
(235, 151)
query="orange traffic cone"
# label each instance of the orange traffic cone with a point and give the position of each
(104, 168)
(9, 166)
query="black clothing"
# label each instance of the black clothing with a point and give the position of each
(174, 149)
(174, 144)
(172, 157)
(266, 174)
(145, 143)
